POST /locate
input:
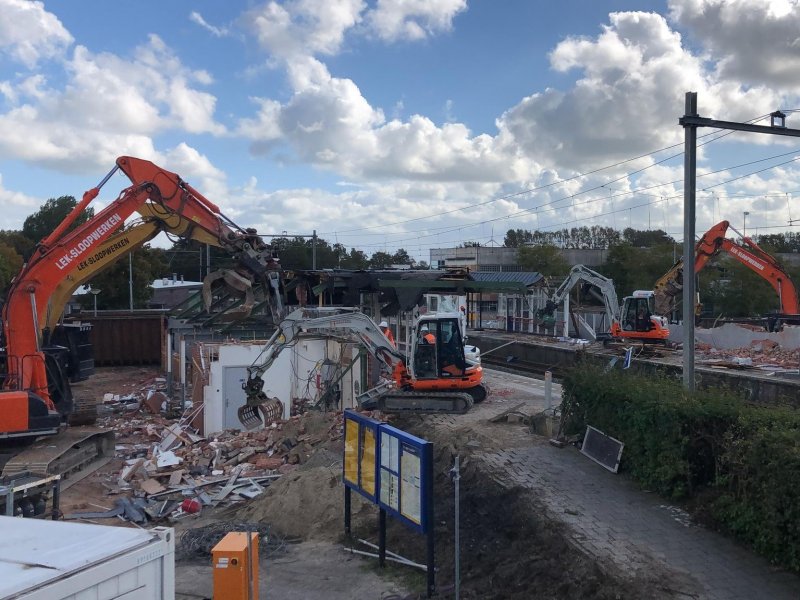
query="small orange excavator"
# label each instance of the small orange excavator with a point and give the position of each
(35, 395)
(636, 320)
(433, 376)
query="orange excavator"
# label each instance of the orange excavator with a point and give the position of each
(35, 396)
(433, 376)
(669, 287)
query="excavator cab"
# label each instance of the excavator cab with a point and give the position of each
(638, 319)
(636, 313)
(438, 350)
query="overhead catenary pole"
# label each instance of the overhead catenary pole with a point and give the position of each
(456, 475)
(689, 181)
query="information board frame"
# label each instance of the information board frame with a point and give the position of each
(362, 427)
(403, 464)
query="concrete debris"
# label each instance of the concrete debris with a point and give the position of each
(169, 472)
(167, 459)
(761, 354)
(151, 486)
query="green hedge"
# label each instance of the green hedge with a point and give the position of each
(737, 463)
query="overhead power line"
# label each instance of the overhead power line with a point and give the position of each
(714, 135)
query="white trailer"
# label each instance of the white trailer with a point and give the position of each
(53, 560)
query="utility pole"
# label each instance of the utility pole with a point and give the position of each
(314, 250)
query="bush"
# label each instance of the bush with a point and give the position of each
(680, 445)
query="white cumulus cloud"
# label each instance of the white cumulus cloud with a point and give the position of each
(196, 17)
(28, 33)
(752, 41)
(108, 106)
(302, 27)
(393, 20)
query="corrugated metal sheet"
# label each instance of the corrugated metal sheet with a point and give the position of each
(526, 278)
(126, 338)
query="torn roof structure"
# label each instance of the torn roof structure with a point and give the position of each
(403, 290)
(396, 290)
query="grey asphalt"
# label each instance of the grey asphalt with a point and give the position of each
(610, 518)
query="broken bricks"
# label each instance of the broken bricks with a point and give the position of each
(168, 463)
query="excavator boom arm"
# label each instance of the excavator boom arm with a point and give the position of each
(62, 256)
(748, 253)
(581, 273)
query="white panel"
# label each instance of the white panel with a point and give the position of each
(83, 562)
(136, 594)
(308, 355)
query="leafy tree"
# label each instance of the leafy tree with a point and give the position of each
(10, 264)
(21, 244)
(470, 245)
(381, 260)
(646, 238)
(517, 237)
(148, 264)
(634, 268)
(41, 223)
(401, 257)
(594, 237)
(729, 288)
(355, 259)
(780, 242)
(545, 259)
(189, 259)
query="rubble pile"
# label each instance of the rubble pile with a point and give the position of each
(168, 472)
(763, 354)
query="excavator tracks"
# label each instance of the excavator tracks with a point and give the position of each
(436, 403)
(74, 453)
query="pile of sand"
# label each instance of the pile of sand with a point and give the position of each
(308, 503)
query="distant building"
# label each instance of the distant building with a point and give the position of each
(475, 258)
(169, 292)
(501, 258)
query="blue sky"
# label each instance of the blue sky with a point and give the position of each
(403, 123)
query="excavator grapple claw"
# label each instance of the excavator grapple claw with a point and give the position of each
(265, 412)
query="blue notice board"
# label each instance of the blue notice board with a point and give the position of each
(405, 476)
(390, 467)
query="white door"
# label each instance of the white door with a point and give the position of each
(233, 395)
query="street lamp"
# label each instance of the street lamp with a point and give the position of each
(744, 229)
(94, 292)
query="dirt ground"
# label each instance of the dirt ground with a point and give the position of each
(509, 549)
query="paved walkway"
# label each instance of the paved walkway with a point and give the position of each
(614, 520)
